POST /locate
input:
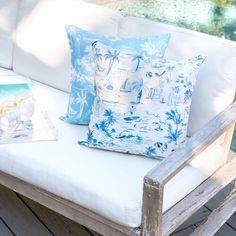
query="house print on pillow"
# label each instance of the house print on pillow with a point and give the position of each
(141, 106)
(84, 63)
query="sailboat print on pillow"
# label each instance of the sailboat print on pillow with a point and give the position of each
(147, 111)
(85, 61)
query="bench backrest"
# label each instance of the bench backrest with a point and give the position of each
(42, 50)
(8, 12)
(216, 83)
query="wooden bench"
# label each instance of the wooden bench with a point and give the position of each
(102, 190)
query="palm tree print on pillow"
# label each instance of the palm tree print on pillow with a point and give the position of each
(112, 57)
(138, 59)
(87, 58)
(150, 114)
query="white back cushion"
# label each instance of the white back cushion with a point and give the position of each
(216, 83)
(42, 49)
(8, 12)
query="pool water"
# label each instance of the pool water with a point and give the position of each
(215, 17)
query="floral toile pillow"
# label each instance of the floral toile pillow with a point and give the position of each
(83, 65)
(141, 106)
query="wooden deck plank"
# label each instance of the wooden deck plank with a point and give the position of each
(184, 232)
(58, 224)
(201, 214)
(4, 230)
(226, 230)
(182, 211)
(20, 219)
(212, 204)
(195, 219)
(232, 221)
(218, 217)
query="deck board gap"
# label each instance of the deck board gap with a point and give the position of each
(5, 223)
(88, 231)
(34, 213)
(226, 223)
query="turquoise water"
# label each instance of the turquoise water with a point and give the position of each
(13, 89)
(215, 17)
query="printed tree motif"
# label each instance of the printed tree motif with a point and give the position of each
(137, 58)
(174, 116)
(187, 95)
(104, 125)
(138, 87)
(150, 151)
(97, 56)
(91, 138)
(104, 128)
(112, 57)
(81, 100)
(110, 118)
(174, 133)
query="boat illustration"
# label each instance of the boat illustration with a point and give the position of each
(126, 87)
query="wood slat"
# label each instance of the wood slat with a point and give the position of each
(218, 217)
(184, 232)
(195, 219)
(4, 230)
(58, 224)
(178, 214)
(232, 221)
(189, 149)
(214, 203)
(18, 216)
(226, 230)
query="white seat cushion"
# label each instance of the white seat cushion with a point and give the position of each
(8, 12)
(4, 72)
(107, 183)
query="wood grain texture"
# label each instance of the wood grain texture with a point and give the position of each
(152, 210)
(199, 216)
(185, 232)
(218, 217)
(178, 214)
(58, 224)
(18, 216)
(227, 142)
(226, 230)
(69, 209)
(195, 219)
(215, 202)
(189, 149)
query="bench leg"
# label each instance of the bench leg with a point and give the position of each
(152, 210)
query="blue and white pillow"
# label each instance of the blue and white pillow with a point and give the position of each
(84, 64)
(141, 106)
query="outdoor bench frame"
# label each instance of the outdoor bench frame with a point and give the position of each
(154, 222)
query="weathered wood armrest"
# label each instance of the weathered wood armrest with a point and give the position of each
(156, 178)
